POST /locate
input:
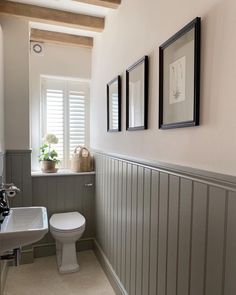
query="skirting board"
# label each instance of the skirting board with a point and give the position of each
(111, 275)
(49, 249)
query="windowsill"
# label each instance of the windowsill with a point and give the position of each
(60, 172)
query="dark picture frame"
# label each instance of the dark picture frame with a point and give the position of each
(114, 87)
(137, 74)
(179, 78)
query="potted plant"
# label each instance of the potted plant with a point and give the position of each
(48, 155)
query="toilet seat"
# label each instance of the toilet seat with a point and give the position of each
(67, 222)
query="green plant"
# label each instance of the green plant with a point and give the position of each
(47, 153)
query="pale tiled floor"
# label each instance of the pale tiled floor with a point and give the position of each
(42, 278)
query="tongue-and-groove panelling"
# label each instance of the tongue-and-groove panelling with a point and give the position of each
(18, 171)
(3, 264)
(2, 167)
(166, 232)
(66, 194)
(57, 192)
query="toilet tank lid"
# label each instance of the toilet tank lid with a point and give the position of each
(67, 221)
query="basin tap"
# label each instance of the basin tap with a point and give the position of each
(4, 209)
(6, 191)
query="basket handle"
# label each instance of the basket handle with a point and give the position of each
(81, 150)
(77, 147)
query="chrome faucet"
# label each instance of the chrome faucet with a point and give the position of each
(7, 190)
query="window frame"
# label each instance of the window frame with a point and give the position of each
(85, 86)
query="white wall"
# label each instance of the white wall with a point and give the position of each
(59, 61)
(139, 27)
(16, 82)
(2, 140)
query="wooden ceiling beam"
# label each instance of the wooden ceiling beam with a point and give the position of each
(52, 16)
(104, 3)
(60, 38)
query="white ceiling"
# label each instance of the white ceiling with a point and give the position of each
(66, 5)
(69, 5)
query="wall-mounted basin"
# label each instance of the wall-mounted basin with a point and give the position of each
(23, 226)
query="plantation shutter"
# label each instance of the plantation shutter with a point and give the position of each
(64, 113)
(53, 111)
(77, 115)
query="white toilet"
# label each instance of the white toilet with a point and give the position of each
(67, 228)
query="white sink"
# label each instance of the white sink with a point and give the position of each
(23, 226)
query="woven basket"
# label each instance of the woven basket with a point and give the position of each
(81, 160)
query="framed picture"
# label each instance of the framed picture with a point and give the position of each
(179, 78)
(114, 105)
(137, 95)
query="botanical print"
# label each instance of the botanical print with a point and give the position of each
(177, 81)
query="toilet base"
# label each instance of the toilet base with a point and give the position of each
(68, 269)
(66, 257)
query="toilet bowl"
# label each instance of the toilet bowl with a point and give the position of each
(66, 229)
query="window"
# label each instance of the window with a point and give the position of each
(64, 112)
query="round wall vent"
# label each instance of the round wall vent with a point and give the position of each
(37, 48)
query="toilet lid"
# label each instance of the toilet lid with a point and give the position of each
(67, 221)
